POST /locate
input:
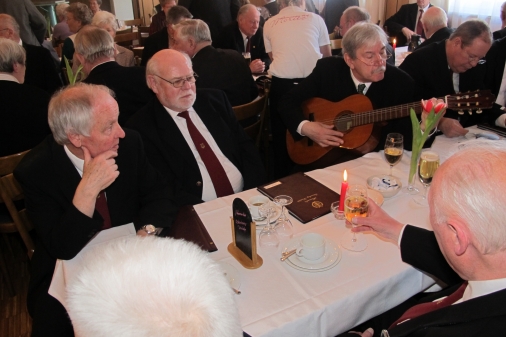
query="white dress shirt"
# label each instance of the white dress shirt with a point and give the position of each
(8, 77)
(233, 174)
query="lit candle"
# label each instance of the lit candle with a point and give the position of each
(344, 187)
(395, 44)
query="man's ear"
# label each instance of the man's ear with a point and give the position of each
(348, 61)
(74, 139)
(80, 58)
(152, 83)
(460, 236)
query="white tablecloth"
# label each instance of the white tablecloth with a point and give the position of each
(278, 300)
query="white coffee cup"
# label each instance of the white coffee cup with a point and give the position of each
(254, 203)
(312, 246)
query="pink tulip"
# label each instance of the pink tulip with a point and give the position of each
(436, 104)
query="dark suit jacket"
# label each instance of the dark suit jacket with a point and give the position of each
(231, 38)
(405, 17)
(153, 44)
(499, 34)
(216, 13)
(496, 58)
(49, 181)
(272, 7)
(23, 115)
(169, 152)
(128, 83)
(331, 80)
(429, 68)
(40, 69)
(226, 70)
(32, 24)
(334, 10)
(440, 35)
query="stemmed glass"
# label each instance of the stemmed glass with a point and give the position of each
(355, 205)
(394, 147)
(427, 166)
(268, 237)
(283, 225)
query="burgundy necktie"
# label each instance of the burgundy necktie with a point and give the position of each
(248, 45)
(425, 308)
(101, 207)
(419, 27)
(218, 176)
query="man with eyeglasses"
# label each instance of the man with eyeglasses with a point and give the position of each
(192, 136)
(451, 66)
(363, 69)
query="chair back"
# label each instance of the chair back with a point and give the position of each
(253, 111)
(9, 163)
(133, 23)
(127, 39)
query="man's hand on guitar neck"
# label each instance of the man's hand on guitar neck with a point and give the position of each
(323, 134)
(451, 128)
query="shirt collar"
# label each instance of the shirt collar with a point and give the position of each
(174, 114)
(8, 77)
(357, 82)
(77, 162)
(425, 8)
(101, 64)
(481, 288)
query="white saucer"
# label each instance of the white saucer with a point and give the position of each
(274, 217)
(329, 260)
(231, 274)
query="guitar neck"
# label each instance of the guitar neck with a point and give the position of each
(385, 114)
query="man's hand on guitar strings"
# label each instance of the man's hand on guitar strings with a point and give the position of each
(451, 128)
(323, 134)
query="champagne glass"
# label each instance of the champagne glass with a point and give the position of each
(283, 225)
(394, 147)
(427, 166)
(268, 237)
(355, 205)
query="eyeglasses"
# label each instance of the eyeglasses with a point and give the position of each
(473, 59)
(374, 60)
(178, 83)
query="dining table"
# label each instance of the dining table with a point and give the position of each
(279, 300)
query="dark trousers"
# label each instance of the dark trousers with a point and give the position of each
(50, 318)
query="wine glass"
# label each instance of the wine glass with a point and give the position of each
(283, 225)
(355, 205)
(394, 147)
(427, 166)
(268, 237)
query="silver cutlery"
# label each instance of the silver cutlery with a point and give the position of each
(286, 255)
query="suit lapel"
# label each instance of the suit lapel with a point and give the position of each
(239, 41)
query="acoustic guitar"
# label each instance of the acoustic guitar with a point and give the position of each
(355, 118)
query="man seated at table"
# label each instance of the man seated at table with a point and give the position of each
(406, 21)
(88, 176)
(362, 70)
(216, 68)
(159, 20)
(451, 66)
(435, 26)
(192, 136)
(161, 40)
(95, 50)
(245, 35)
(466, 250)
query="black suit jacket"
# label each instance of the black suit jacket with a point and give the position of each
(496, 58)
(499, 34)
(272, 7)
(23, 117)
(440, 35)
(231, 38)
(153, 44)
(40, 69)
(334, 10)
(49, 181)
(331, 80)
(226, 70)
(429, 68)
(169, 152)
(405, 17)
(128, 83)
(216, 13)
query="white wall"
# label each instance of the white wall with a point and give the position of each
(123, 9)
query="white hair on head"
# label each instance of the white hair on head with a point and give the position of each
(140, 287)
(470, 186)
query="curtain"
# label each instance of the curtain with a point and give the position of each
(376, 9)
(462, 10)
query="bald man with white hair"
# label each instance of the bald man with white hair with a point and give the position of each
(435, 25)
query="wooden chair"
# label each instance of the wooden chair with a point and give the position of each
(133, 23)
(127, 39)
(252, 111)
(143, 30)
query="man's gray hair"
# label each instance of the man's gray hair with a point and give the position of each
(470, 186)
(435, 18)
(60, 9)
(71, 110)
(80, 12)
(10, 53)
(7, 21)
(153, 67)
(195, 28)
(472, 29)
(356, 14)
(94, 43)
(245, 9)
(176, 14)
(362, 33)
(102, 18)
(188, 294)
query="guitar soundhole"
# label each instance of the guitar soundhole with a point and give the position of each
(344, 122)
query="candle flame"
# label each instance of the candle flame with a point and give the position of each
(345, 175)
(395, 41)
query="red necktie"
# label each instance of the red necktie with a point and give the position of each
(248, 45)
(101, 207)
(218, 176)
(425, 308)
(419, 27)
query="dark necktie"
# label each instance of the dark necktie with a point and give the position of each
(361, 88)
(218, 176)
(424, 308)
(103, 210)
(248, 45)
(419, 27)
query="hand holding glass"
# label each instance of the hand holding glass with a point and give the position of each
(355, 205)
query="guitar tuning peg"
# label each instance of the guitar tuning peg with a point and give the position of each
(479, 111)
(461, 112)
(470, 111)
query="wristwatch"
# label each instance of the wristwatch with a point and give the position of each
(149, 229)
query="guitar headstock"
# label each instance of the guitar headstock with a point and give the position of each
(469, 101)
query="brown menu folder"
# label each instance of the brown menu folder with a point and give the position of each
(188, 226)
(311, 199)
